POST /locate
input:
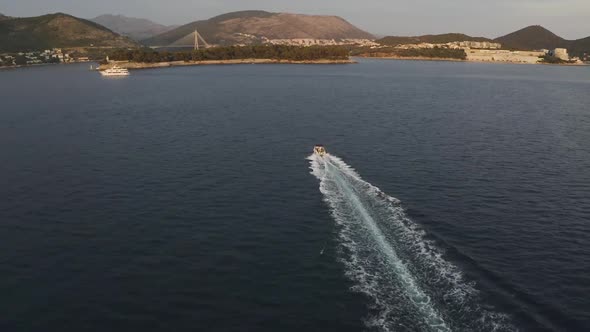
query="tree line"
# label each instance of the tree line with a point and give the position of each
(553, 60)
(436, 52)
(278, 52)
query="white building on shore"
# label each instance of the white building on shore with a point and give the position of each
(560, 53)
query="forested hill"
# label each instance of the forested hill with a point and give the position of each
(273, 52)
(537, 37)
(532, 38)
(56, 30)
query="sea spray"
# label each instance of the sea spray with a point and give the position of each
(411, 285)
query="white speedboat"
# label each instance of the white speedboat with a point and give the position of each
(115, 71)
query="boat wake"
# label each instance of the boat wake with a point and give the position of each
(411, 286)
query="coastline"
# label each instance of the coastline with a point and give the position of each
(44, 64)
(470, 60)
(146, 65)
(415, 58)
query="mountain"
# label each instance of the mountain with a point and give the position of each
(136, 28)
(532, 38)
(431, 39)
(580, 47)
(250, 27)
(536, 37)
(56, 30)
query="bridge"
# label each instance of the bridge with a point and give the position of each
(193, 39)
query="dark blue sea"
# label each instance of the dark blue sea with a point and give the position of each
(455, 197)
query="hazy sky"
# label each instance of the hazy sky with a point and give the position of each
(489, 18)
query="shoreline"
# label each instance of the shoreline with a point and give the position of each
(468, 60)
(149, 65)
(414, 58)
(45, 64)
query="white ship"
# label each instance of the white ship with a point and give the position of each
(115, 71)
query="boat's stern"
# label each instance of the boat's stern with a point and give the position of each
(319, 150)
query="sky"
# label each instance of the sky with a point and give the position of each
(488, 18)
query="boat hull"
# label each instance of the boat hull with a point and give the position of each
(114, 74)
(115, 71)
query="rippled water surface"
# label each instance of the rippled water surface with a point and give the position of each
(456, 198)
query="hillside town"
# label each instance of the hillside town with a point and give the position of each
(493, 52)
(52, 56)
(454, 45)
(479, 51)
(322, 42)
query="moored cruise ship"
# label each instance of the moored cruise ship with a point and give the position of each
(115, 71)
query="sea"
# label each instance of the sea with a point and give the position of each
(455, 196)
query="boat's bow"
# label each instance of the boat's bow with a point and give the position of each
(319, 150)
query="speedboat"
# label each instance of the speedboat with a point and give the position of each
(115, 71)
(319, 150)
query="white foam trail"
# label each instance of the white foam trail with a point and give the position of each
(412, 286)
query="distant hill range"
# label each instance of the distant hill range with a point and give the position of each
(250, 27)
(530, 38)
(56, 30)
(136, 28)
(244, 27)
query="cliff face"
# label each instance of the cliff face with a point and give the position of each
(56, 30)
(249, 27)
